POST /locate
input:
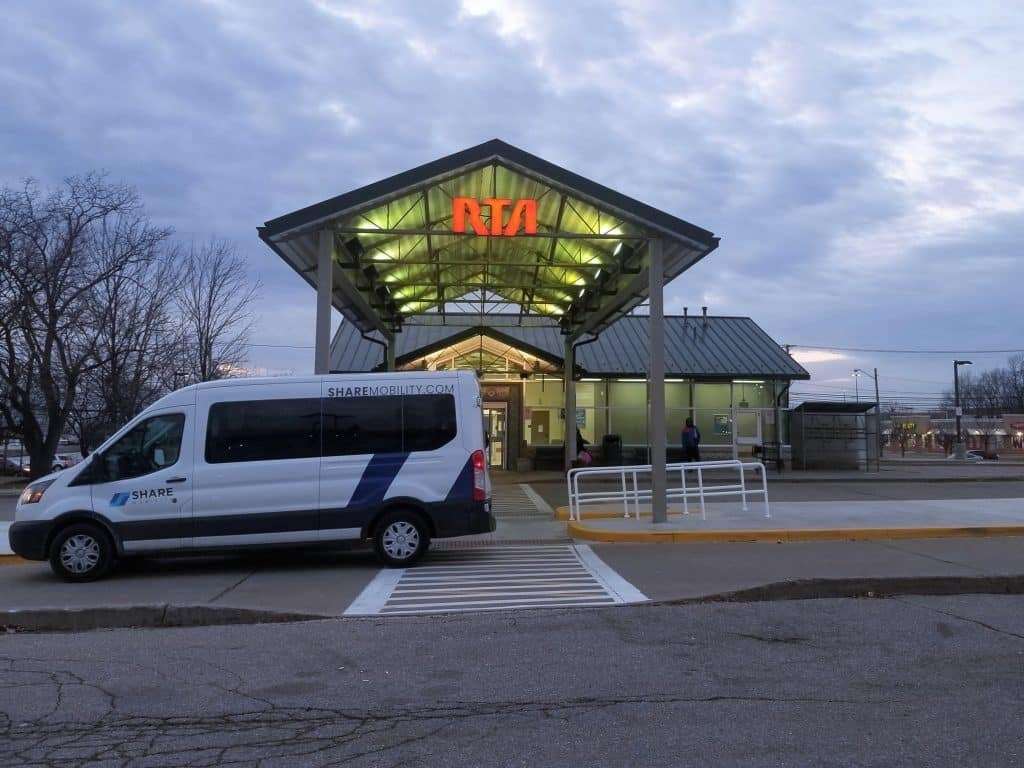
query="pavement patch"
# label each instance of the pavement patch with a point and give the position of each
(160, 615)
(871, 587)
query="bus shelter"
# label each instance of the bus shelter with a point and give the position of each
(494, 230)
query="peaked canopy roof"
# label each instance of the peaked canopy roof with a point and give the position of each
(397, 251)
(697, 347)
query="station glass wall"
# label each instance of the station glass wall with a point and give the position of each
(618, 406)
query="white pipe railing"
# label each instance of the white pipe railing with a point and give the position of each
(629, 491)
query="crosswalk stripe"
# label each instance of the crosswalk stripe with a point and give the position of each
(481, 608)
(496, 578)
(518, 500)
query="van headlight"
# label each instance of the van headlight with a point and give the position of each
(34, 492)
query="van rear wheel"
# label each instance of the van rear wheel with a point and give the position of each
(82, 552)
(401, 538)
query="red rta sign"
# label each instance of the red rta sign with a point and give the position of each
(523, 216)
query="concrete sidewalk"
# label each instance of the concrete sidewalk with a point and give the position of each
(805, 520)
(697, 570)
(325, 584)
(321, 583)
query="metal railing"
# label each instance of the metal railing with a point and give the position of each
(630, 493)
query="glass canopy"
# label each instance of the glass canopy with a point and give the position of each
(489, 229)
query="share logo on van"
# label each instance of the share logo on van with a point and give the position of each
(140, 496)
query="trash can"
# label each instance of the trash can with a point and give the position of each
(611, 450)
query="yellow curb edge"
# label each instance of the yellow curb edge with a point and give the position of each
(580, 531)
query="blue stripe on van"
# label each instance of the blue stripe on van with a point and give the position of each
(463, 487)
(377, 478)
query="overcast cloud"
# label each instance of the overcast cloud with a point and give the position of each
(862, 161)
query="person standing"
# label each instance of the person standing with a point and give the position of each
(691, 441)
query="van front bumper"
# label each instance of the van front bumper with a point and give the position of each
(28, 538)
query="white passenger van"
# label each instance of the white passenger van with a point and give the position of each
(396, 458)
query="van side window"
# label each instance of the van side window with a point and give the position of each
(360, 425)
(263, 430)
(429, 422)
(149, 446)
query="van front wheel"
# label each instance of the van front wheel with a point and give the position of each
(81, 552)
(401, 538)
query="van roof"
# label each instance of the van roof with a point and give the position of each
(176, 397)
(233, 382)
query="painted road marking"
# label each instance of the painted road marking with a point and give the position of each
(5, 546)
(517, 501)
(496, 578)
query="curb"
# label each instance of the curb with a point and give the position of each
(868, 478)
(865, 587)
(562, 514)
(162, 615)
(579, 531)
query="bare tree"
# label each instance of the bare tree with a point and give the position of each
(993, 392)
(901, 430)
(55, 250)
(215, 301)
(138, 344)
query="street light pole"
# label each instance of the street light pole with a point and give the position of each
(960, 451)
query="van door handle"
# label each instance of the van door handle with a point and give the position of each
(176, 479)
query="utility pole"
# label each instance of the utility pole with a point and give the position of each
(960, 451)
(878, 423)
(878, 412)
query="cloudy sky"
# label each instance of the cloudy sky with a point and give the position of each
(863, 162)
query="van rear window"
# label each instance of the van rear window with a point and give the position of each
(409, 423)
(359, 425)
(428, 421)
(263, 430)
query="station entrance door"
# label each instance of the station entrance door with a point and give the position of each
(496, 425)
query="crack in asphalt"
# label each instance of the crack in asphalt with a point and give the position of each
(232, 587)
(334, 736)
(783, 639)
(966, 619)
(907, 550)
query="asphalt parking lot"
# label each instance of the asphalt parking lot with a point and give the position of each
(900, 682)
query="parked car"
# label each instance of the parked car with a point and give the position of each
(11, 466)
(977, 456)
(395, 459)
(64, 460)
(984, 455)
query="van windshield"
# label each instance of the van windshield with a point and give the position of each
(150, 445)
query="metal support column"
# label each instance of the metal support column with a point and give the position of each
(389, 355)
(570, 405)
(324, 290)
(733, 421)
(656, 381)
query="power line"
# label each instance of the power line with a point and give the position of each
(827, 348)
(281, 346)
